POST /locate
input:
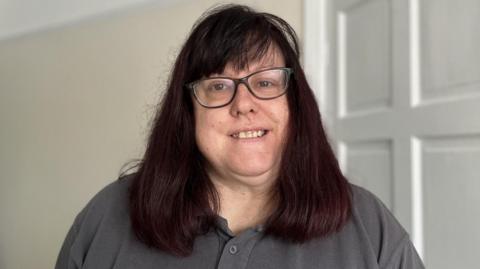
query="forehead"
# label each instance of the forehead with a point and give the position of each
(271, 58)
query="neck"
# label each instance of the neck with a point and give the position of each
(243, 206)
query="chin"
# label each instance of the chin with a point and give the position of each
(255, 169)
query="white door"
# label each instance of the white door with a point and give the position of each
(399, 84)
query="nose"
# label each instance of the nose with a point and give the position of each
(244, 102)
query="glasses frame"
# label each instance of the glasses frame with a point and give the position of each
(237, 82)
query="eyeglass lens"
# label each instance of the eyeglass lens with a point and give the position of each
(266, 84)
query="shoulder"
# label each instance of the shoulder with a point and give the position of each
(112, 193)
(371, 209)
(110, 206)
(102, 223)
(370, 212)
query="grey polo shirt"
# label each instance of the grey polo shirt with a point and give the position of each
(101, 237)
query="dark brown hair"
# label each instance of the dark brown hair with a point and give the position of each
(172, 199)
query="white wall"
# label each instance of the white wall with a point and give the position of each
(75, 102)
(18, 17)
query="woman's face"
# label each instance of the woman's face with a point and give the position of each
(221, 132)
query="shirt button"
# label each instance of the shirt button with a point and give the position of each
(233, 249)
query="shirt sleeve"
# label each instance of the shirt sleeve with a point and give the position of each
(78, 237)
(404, 257)
(64, 260)
(106, 204)
(81, 234)
(388, 239)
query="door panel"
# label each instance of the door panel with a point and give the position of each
(370, 165)
(364, 43)
(450, 49)
(451, 200)
(404, 85)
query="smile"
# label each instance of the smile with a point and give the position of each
(249, 134)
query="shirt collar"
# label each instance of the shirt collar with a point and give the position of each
(222, 225)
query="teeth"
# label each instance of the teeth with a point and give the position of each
(249, 134)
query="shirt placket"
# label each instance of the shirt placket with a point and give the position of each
(236, 252)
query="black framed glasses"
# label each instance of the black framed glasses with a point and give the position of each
(264, 84)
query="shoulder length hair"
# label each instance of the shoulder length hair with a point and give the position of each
(172, 199)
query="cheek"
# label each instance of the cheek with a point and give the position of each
(283, 115)
(285, 127)
(286, 115)
(207, 131)
(208, 125)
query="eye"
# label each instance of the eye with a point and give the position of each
(264, 83)
(217, 86)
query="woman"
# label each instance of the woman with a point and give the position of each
(238, 172)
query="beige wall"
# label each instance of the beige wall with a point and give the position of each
(74, 106)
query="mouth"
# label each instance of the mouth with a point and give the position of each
(249, 134)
